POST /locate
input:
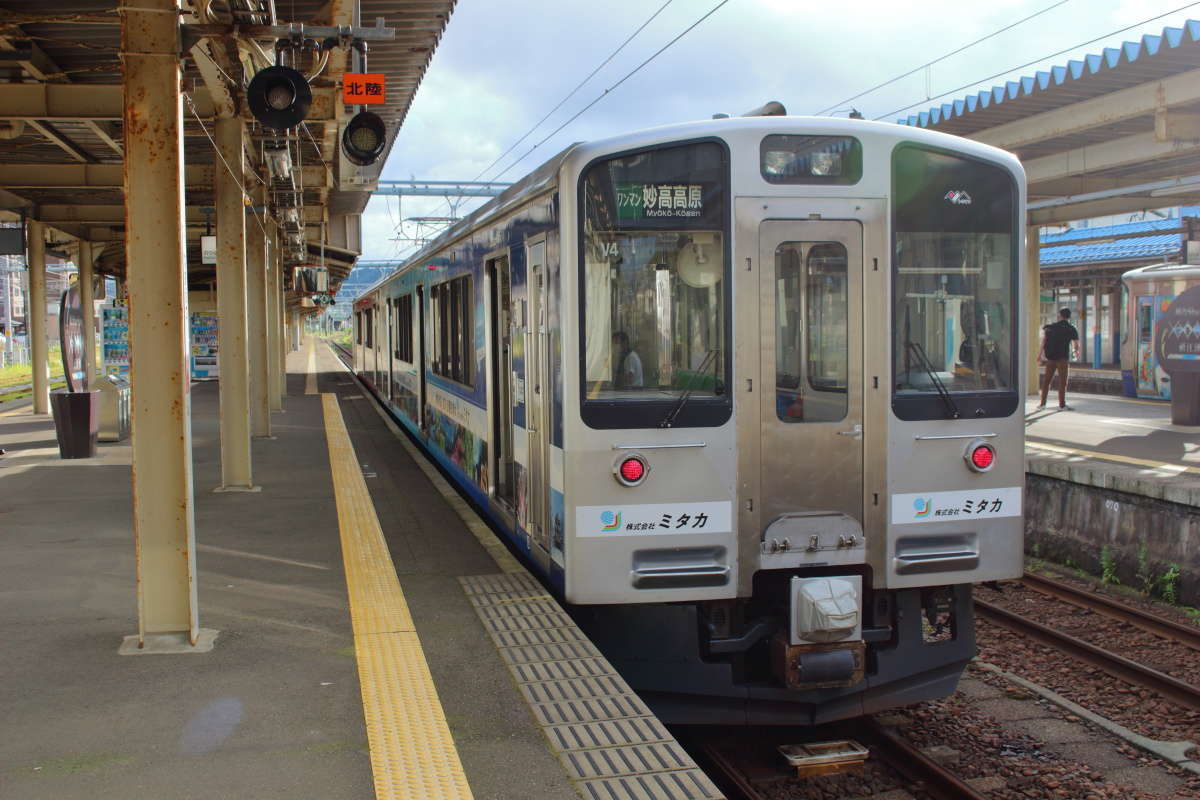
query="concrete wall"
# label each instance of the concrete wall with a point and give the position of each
(1072, 522)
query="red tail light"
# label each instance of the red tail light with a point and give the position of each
(632, 470)
(981, 456)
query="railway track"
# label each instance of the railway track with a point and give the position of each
(1187, 635)
(920, 773)
(1116, 665)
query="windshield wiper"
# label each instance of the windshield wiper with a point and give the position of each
(917, 350)
(669, 419)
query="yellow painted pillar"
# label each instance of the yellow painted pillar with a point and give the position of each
(87, 301)
(156, 279)
(232, 350)
(35, 317)
(274, 299)
(256, 321)
(1033, 305)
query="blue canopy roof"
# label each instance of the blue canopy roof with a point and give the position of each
(1106, 64)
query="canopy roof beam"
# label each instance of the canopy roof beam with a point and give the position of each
(1124, 104)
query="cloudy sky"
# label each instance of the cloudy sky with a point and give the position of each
(502, 65)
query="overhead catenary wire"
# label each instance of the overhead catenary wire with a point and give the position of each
(569, 95)
(928, 64)
(1035, 61)
(607, 91)
(578, 86)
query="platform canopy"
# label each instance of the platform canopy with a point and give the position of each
(1112, 133)
(61, 112)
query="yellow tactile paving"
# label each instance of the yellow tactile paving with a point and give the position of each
(412, 752)
(1092, 454)
(478, 528)
(310, 380)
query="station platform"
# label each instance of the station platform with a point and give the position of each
(373, 639)
(1116, 443)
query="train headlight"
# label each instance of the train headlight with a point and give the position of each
(980, 456)
(631, 470)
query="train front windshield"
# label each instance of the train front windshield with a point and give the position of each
(955, 264)
(655, 295)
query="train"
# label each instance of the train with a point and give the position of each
(745, 393)
(1147, 294)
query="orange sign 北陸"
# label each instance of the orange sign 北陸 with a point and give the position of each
(363, 88)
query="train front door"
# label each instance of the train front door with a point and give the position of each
(810, 293)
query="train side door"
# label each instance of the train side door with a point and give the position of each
(391, 349)
(536, 388)
(812, 393)
(421, 356)
(501, 379)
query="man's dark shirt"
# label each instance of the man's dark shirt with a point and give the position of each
(1058, 340)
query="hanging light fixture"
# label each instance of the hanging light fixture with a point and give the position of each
(279, 97)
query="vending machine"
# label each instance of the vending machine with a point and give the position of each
(204, 346)
(114, 319)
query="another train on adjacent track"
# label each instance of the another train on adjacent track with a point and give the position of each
(746, 392)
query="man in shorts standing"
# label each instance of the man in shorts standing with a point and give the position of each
(1058, 346)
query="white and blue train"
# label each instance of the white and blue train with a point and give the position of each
(746, 392)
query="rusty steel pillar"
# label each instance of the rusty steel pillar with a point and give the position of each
(232, 349)
(274, 299)
(256, 308)
(35, 316)
(87, 301)
(156, 280)
(1033, 303)
(281, 330)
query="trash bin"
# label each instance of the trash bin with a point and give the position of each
(114, 407)
(77, 422)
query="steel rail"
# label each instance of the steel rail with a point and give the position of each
(1118, 666)
(1187, 635)
(729, 774)
(904, 757)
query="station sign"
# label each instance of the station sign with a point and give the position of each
(1178, 341)
(364, 88)
(208, 249)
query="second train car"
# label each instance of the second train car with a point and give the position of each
(747, 393)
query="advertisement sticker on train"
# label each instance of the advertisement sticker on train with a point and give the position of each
(923, 507)
(651, 518)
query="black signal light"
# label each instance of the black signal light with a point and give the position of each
(279, 97)
(364, 138)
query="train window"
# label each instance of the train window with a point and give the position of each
(369, 326)
(954, 263)
(811, 159)
(655, 305)
(812, 352)
(404, 328)
(358, 327)
(453, 304)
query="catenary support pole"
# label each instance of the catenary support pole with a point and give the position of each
(163, 523)
(274, 299)
(256, 322)
(87, 301)
(35, 315)
(1033, 305)
(232, 351)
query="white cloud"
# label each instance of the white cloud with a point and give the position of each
(501, 66)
